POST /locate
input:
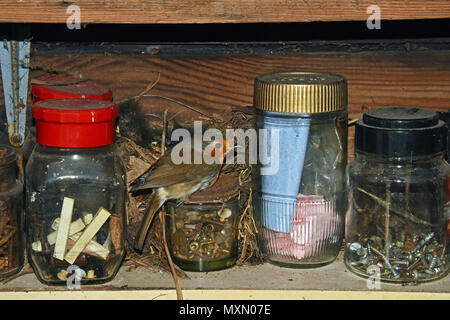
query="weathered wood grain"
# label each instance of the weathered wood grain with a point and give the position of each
(218, 11)
(213, 84)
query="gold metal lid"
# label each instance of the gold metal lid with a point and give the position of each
(300, 92)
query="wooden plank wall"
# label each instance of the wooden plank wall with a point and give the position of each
(218, 11)
(214, 83)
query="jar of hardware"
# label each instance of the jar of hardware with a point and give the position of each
(396, 226)
(75, 188)
(58, 86)
(202, 233)
(302, 199)
(11, 215)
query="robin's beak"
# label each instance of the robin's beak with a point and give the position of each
(227, 146)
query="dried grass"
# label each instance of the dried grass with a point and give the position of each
(138, 160)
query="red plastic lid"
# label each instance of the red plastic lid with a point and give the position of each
(66, 87)
(75, 123)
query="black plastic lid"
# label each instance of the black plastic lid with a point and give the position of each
(401, 132)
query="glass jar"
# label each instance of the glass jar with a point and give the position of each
(396, 226)
(58, 86)
(11, 215)
(301, 199)
(202, 232)
(75, 187)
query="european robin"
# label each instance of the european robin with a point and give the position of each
(178, 181)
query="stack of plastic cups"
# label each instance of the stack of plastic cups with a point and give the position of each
(301, 196)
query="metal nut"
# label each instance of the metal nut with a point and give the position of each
(194, 246)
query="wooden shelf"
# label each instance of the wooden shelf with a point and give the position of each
(329, 282)
(216, 294)
(233, 11)
(404, 74)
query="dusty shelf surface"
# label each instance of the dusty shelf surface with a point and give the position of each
(262, 278)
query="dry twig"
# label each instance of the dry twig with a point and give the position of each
(149, 87)
(178, 102)
(18, 275)
(163, 220)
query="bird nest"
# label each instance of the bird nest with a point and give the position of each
(140, 159)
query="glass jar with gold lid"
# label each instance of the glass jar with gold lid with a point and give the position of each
(301, 200)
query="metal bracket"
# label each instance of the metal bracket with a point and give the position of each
(15, 61)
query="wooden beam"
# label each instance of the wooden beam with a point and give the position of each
(233, 11)
(214, 83)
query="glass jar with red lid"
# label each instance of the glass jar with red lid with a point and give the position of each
(75, 187)
(58, 86)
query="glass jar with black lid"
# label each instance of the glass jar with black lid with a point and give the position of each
(396, 225)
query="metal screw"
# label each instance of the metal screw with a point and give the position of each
(433, 262)
(359, 254)
(419, 275)
(401, 262)
(407, 256)
(394, 272)
(358, 249)
(422, 242)
(433, 271)
(423, 259)
(402, 239)
(437, 270)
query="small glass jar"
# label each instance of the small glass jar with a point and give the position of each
(58, 86)
(75, 188)
(396, 226)
(11, 215)
(301, 199)
(202, 233)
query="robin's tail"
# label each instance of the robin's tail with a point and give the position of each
(155, 204)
